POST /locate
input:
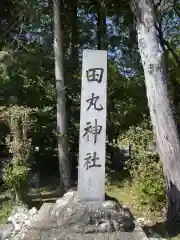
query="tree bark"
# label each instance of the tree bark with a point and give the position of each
(74, 37)
(161, 114)
(61, 109)
(166, 47)
(101, 26)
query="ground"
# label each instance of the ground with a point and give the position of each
(126, 194)
(123, 193)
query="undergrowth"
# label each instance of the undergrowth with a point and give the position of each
(144, 166)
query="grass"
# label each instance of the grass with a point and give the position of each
(5, 210)
(6, 205)
(127, 195)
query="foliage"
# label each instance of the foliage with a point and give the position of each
(125, 105)
(15, 177)
(150, 185)
(5, 210)
(142, 142)
(144, 165)
(19, 144)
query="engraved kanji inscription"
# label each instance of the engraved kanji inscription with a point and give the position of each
(93, 102)
(95, 75)
(91, 161)
(93, 130)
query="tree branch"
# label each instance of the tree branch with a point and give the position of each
(167, 44)
(176, 57)
(156, 5)
(176, 8)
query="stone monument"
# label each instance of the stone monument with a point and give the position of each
(92, 137)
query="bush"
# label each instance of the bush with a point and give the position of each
(19, 144)
(15, 179)
(145, 166)
(150, 186)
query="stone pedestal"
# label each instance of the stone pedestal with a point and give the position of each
(71, 220)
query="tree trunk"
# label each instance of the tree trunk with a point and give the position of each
(99, 34)
(159, 103)
(74, 38)
(75, 83)
(166, 47)
(61, 109)
(101, 26)
(17, 196)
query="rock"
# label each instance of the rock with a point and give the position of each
(126, 225)
(30, 234)
(18, 226)
(33, 211)
(27, 222)
(65, 199)
(108, 204)
(104, 227)
(69, 210)
(89, 229)
(18, 220)
(6, 231)
(44, 217)
(21, 218)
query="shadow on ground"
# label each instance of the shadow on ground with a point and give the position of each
(125, 209)
(163, 229)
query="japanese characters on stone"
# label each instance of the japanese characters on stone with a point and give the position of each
(92, 134)
(93, 129)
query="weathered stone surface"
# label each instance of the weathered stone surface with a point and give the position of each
(57, 234)
(5, 231)
(44, 217)
(20, 219)
(28, 234)
(92, 154)
(69, 219)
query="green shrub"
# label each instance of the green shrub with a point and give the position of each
(144, 165)
(15, 179)
(19, 121)
(150, 185)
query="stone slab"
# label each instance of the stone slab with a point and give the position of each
(58, 234)
(92, 136)
(44, 217)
